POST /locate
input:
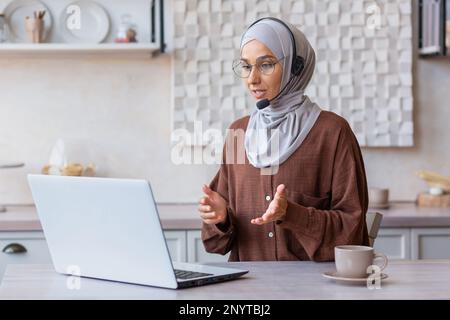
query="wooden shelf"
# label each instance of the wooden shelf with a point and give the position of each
(40, 49)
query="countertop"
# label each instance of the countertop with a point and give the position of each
(420, 279)
(185, 217)
(173, 217)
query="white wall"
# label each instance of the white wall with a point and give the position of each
(113, 112)
(117, 113)
(395, 168)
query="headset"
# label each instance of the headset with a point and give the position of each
(298, 63)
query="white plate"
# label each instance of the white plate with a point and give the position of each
(333, 275)
(94, 22)
(379, 206)
(16, 12)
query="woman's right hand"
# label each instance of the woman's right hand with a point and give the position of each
(212, 207)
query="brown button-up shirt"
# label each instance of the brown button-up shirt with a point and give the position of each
(327, 196)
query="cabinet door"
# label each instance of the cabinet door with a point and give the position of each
(176, 242)
(430, 243)
(21, 248)
(395, 243)
(197, 252)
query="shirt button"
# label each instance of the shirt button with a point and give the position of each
(270, 234)
(268, 198)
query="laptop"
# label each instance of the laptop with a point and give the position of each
(110, 229)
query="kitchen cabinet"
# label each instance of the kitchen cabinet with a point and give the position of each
(176, 243)
(430, 243)
(414, 243)
(197, 252)
(25, 247)
(187, 246)
(395, 243)
(22, 247)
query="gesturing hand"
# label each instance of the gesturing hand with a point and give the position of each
(212, 207)
(277, 208)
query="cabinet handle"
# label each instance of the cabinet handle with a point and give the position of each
(14, 248)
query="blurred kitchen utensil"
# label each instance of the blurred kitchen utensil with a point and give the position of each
(378, 198)
(17, 11)
(438, 194)
(4, 29)
(127, 30)
(435, 180)
(425, 199)
(58, 164)
(90, 170)
(58, 154)
(35, 28)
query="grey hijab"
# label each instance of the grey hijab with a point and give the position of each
(275, 132)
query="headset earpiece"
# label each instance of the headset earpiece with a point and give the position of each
(297, 65)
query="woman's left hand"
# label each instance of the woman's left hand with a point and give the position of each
(277, 208)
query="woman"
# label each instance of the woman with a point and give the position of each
(316, 198)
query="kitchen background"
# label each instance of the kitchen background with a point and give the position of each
(118, 113)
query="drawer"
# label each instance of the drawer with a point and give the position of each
(176, 243)
(197, 252)
(33, 242)
(430, 243)
(395, 243)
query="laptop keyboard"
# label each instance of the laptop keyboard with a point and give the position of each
(183, 274)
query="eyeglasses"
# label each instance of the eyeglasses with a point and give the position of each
(243, 69)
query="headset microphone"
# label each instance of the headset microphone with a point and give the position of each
(263, 104)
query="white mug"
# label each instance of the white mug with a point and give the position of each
(352, 261)
(378, 197)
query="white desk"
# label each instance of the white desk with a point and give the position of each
(266, 280)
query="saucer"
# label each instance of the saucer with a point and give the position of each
(378, 205)
(333, 275)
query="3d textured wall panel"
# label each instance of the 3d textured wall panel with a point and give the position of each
(363, 70)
